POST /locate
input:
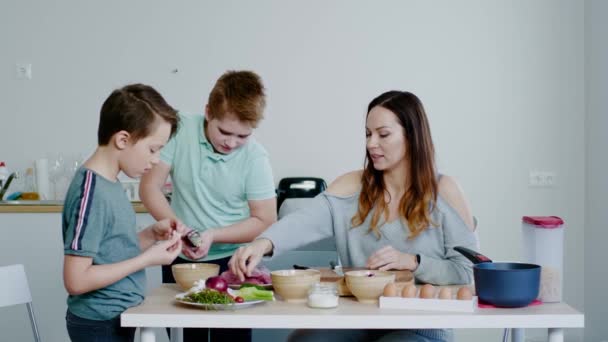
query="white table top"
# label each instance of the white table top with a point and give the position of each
(160, 310)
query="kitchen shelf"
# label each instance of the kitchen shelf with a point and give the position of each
(47, 207)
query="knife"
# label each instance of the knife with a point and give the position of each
(336, 268)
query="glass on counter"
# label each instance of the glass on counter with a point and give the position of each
(323, 296)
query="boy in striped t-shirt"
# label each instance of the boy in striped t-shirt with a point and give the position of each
(105, 258)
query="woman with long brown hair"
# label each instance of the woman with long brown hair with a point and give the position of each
(398, 213)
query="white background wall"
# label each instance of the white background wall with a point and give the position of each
(596, 215)
(502, 82)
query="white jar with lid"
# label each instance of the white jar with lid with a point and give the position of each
(323, 296)
(543, 244)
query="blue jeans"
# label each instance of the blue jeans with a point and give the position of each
(87, 330)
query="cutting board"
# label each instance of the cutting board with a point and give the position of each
(402, 278)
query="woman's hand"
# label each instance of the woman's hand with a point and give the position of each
(388, 258)
(201, 251)
(246, 258)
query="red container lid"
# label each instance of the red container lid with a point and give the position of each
(544, 221)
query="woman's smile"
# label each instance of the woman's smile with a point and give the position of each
(376, 157)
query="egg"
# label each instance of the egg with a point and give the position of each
(427, 291)
(390, 290)
(445, 293)
(409, 291)
(464, 293)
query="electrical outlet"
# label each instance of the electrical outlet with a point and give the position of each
(542, 179)
(23, 71)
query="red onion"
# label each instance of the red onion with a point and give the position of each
(216, 283)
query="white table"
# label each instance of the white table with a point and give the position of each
(159, 310)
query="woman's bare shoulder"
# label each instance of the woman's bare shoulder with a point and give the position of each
(453, 194)
(346, 185)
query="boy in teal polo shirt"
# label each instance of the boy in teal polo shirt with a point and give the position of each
(222, 180)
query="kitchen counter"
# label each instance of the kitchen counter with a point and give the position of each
(47, 207)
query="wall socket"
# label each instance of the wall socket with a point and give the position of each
(542, 179)
(23, 71)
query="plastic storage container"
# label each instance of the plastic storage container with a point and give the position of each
(3, 173)
(543, 244)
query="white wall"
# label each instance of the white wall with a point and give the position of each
(596, 216)
(502, 81)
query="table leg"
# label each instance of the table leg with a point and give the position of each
(148, 335)
(556, 335)
(177, 334)
(517, 335)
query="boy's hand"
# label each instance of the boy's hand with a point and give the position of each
(200, 251)
(164, 252)
(163, 229)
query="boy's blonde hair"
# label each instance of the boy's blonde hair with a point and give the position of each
(240, 93)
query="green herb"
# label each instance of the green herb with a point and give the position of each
(209, 296)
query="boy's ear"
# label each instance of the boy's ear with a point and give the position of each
(207, 116)
(121, 139)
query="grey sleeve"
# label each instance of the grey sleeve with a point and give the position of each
(308, 224)
(453, 268)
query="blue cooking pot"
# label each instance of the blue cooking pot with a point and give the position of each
(503, 284)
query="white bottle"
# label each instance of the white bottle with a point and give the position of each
(3, 173)
(29, 183)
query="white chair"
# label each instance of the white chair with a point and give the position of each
(14, 289)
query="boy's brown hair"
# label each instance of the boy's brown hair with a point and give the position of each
(134, 108)
(240, 93)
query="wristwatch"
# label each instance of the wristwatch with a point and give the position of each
(417, 262)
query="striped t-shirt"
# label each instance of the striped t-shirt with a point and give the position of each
(99, 222)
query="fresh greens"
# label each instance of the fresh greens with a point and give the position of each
(259, 287)
(254, 293)
(209, 296)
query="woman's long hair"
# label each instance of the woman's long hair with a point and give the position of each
(421, 186)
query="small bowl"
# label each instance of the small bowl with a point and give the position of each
(368, 285)
(293, 285)
(186, 274)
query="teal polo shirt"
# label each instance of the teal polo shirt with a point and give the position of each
(212, 190)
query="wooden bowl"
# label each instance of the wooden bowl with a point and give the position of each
(186, 274)
(368, 285)
(293, 285)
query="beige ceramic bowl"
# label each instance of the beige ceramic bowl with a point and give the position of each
(293, 285)
(368, 285)
(186, 274)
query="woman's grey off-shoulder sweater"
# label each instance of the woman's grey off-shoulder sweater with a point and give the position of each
(329, 215)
